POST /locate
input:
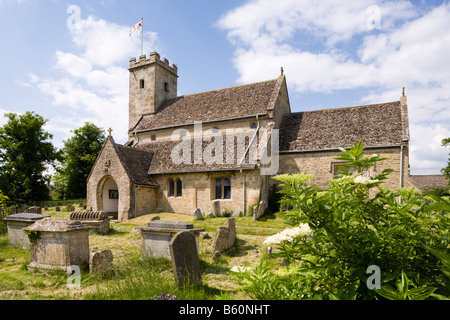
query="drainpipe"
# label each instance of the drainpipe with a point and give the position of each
(401, 166)
(401, 171)
(243, 192)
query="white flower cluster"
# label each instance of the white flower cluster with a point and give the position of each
(363, 180)
(240, 269)
(289, 235)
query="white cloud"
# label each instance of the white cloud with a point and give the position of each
(410, 49)
(93, 85)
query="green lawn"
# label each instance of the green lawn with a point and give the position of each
(134, 277)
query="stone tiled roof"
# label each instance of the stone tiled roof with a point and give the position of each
(136, 163)
(235, 102)
(161, 161)
(423, 181)
(379, 125)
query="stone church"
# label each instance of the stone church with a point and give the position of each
(217, 150)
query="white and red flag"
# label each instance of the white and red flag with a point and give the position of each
(137, 26)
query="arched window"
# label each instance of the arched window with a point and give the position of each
(171, 188)
(179, 188)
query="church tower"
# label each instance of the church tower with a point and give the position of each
(152, 81)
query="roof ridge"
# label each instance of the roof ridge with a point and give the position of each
(346, 108)
(221, 89)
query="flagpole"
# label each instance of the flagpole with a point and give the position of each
(142, 37)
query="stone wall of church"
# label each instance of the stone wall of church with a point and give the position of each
(322, 164)
(198, 191)
(146, 200)
(108, 166)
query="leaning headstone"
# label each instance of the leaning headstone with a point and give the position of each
(259, 212)
(198, 214)
(101, 262)
(185, 260)
(225, 237)
(211, 215)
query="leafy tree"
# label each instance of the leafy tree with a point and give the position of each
(446, 170)
(352, 229)
(79, 155)
(25, 154)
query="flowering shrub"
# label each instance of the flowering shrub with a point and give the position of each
(289, 235)
(355, 223)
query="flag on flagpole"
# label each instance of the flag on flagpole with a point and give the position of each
(137, 26)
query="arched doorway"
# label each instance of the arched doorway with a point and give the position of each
(109, 196)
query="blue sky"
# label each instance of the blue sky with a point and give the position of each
(68, 60)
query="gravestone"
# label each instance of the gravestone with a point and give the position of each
(101, 262)
(259, 210)
(59, 244)
(216, 208)
(155, 238)
(36, 210)
(198, 214)
(16, 223)
(14, 209)
(97, 220)
(155, 218)
(185, 260)
(225, 237)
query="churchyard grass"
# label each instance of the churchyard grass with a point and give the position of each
(135, 277)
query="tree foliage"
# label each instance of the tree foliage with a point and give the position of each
(354, 228)
(25, 155)
(446, 170)
(79, 155)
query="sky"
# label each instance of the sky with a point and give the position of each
(68, 60)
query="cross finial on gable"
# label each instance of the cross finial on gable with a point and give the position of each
(282, 70)
(110, 130)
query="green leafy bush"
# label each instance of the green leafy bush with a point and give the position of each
(352, 228)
